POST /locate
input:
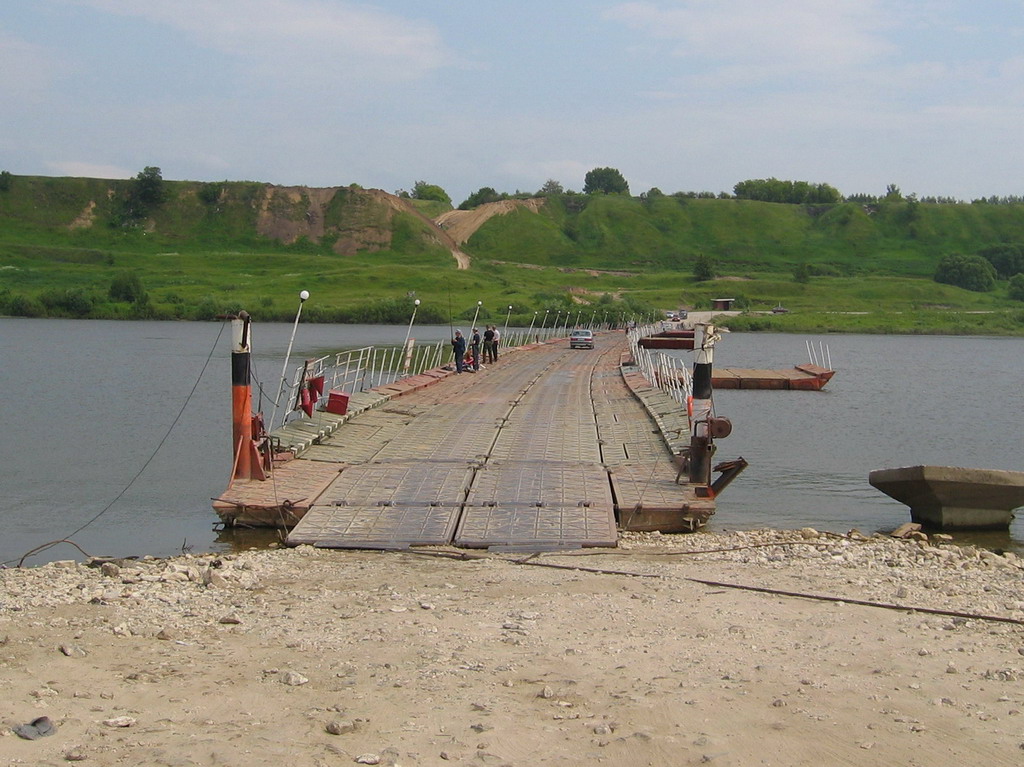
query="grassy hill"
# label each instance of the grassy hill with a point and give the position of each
(211, 248)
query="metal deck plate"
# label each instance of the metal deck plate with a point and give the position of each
(360, 527)
(388, 505)
(538, 503)
(650, 485)
(524, 527)
(400, 482)
(558, 440)
(551, 483)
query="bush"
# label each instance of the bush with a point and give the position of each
(23, 306)
(968, 272)
(1017, 287)
(210, 194)
(1008, 260)
(482, 196)
(703, 268)
(72, 302)
(423, 191)
(127, 287)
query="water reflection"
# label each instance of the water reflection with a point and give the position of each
(86, 404)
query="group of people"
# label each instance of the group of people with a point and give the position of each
(467, 356)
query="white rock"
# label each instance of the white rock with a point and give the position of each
(293, 678)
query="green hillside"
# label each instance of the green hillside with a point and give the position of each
(614, 232)
(77, 247)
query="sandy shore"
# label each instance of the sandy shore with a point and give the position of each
(310, 657)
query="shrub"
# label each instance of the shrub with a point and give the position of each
(210, 193)
(703, 268)
(1017, 287)
(968, 272)
(127, 287)
(23, 306)
(72, 302)
(1008, 260)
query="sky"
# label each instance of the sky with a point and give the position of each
(681, 95)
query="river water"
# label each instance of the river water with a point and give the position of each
(118, 433)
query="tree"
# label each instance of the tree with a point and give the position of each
(421, 190)
(893, 193)
(793, 192)
(605, 181)
(1008, 259)
(5, 180)
(968, 272)
(703, 268)
(551, 187)
(481, 196)
(802, 274)
(144, 193)
(148, 187)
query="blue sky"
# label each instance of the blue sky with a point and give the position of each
(677, 94)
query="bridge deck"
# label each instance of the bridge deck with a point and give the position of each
(537, 451)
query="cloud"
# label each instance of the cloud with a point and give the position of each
(302, 33)
(27, 70)
(734, 42)
(79, 169)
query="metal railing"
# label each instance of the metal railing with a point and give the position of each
(670, 374)
(357, 370)
(821, 356)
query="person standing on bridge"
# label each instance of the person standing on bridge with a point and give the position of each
(489, 345)
(474, 346)
(459, 350)
(494, 348)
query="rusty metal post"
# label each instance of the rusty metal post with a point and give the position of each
(241, 397)
(701, 447)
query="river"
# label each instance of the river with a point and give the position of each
(118, 433)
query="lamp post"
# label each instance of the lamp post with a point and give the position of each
(477, 314)
(529, 333)
(405, 347)
(303, 296)
(554, 325)
(504, 332)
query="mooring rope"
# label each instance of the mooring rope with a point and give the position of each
(131, 482)
(532, 561)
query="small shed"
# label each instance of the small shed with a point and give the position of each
(722, 304)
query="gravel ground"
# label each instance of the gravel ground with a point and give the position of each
(658, 652)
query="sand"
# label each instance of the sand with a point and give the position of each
(312, 657)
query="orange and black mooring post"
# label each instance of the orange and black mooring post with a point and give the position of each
(241, 397)
(701, 445)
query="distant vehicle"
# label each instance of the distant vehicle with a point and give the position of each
(780, 309)
(581, 339)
